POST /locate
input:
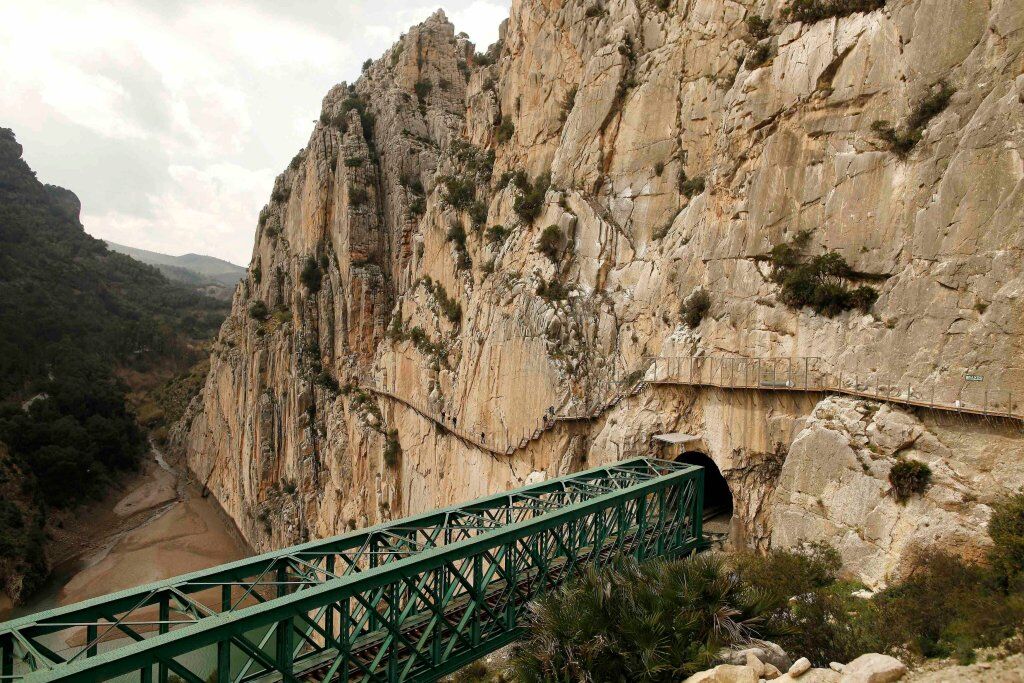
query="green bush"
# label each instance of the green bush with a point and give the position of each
(478, 214)
(459, 192)
(690, 187)
(357, 196)
(529, 203)
(503, 132)
(497, 234)
(901, 141)
(594, 11)
(552, 291)
(786, 573)
(354, 162)
(695, 307)
(758, 27)
(258, 310)
(829, 625)
(367, 64)
(550, 242)
(417, 207)
(659, 621)
(1006, 527)
(820, 283)
(422, 88)
(948, 607)
(311, 276)
(757, 55)
(909, 478)
(569, 101)
(810, 11)
(457, 236)
(327, 381)
(392, 449)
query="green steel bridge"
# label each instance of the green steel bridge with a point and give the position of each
(408, 600)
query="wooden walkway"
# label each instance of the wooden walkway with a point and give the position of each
(810, 375)
(805, 375)
(544, 425)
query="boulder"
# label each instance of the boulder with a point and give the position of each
(873, 668)
(799, 667)
(725, 673)
(765, 651)
(811, 676)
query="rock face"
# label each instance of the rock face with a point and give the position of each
(402, 250)
(834, 486)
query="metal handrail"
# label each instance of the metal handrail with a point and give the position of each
(813, 374)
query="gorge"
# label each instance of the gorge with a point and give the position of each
(473, 241)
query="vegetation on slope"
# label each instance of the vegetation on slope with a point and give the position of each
(820, 282)
(74, 316)
(664, 620)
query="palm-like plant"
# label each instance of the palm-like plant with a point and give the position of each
(641, 622)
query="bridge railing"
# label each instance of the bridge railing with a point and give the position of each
(406, 601)
(813, 374)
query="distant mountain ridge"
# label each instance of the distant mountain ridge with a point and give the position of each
(83, 329)
(206, 272)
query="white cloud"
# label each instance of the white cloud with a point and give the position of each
(182, 113)
(480, 20)
(199, 212)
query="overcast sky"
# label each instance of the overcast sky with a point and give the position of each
(171, 118)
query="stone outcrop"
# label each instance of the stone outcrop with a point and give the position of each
(403, 248)
(834, 486)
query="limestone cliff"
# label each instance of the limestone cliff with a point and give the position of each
(409, 247)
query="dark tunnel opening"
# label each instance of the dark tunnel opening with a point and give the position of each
(717, 496)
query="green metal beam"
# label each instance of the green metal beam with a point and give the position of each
(404, 600)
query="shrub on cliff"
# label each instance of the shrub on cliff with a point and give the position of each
(1006, 527)
(392, 449)
(658, 621)
(757, 27)
(550, 242)
(757, 55)
(820, 282)
(529, 203)
(695, 307)
(357, 196)
(258, 310)
(810, 11)
(909, 478)
(902, 140)
(422, 88)
(458, 192)
(503, 133)
(496, 234)
(311, 276)
(690, 187)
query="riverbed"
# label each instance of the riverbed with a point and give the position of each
(158, 525)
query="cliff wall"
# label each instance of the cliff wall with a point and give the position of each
(409, 246)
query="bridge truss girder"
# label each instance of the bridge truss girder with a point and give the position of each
(408, 600)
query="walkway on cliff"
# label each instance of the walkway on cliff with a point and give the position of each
(967, 395)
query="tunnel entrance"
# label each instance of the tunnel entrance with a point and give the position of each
(717, 496)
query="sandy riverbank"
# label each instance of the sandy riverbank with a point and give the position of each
(157, 527)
